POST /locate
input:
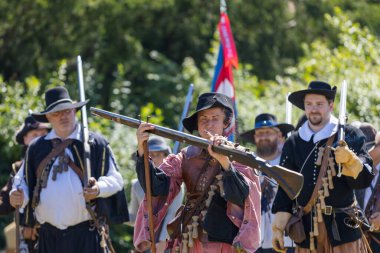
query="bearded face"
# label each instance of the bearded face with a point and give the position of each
(267, 141)
(317, 109)
(266, 147)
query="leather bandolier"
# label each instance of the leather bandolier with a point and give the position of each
(201, 175)
(112, 209)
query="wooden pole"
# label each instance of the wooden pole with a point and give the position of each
(149, 196)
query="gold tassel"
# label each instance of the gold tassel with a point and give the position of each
(322, 199)
(325, 187)
(329, 176)
(312, 245)
(315, 225)
(190, 232)
(332, 166)
(320, 155)
(184, 243)
(195, 227)
(319, 213)
(103, 243)
(210, 195)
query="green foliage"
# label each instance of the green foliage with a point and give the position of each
(139, 57)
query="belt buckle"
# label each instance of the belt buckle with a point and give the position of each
(328, 210)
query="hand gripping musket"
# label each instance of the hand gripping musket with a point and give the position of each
(342, 120)
(186, 107)
(149, 196)
(290, 181)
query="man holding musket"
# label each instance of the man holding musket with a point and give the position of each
(268, 136)
(52, 192)
(222, 211)
(327, 199)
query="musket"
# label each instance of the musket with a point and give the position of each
(85, 135)
(342, 120)
(185, 110)
(290, 181)
(149, 196)
(288, 111)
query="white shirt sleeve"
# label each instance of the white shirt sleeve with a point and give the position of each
(19, 183)
(134, 204)
(112, 182)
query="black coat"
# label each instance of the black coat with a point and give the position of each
(114, 208)
(295, 152)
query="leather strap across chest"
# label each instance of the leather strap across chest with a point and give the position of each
(322, 173)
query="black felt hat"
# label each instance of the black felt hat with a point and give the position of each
(315, 87)
(207, 101)
(29, 124)
(266, 120)
(57, 99)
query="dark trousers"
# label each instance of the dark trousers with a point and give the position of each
(74, 239)
(375, 247)
(261, 250)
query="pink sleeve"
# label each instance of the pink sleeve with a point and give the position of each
(141, 237)
(248, 219)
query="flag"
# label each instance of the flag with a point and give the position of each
(223, 81)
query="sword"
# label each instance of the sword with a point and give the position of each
(342, 120)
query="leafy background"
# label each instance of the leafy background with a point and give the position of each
(140, 57)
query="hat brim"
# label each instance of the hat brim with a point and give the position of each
(41, 116)
(297, 97)
(159, 149)
(20, 134)
(191, 123)
(370, 146)
(283, 127)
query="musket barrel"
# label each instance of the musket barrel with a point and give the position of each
(290, 181)
(85, 133)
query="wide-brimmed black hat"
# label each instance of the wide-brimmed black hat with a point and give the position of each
(207, 101)
(315, 87)
(29, 124)
(266, 120)
(57, 99)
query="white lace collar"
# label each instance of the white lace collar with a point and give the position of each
(328, 130)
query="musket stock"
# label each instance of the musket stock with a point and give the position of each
(290, 181)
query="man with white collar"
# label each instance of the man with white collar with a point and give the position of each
(268, 136)
(326, 222)
(50, 189)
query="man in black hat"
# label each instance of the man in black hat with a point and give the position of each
(222, 211)
(268, 136)
(52, 192)
(327, 223)
(29, 130)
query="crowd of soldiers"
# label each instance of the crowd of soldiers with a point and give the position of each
(202, 201)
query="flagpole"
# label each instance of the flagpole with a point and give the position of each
(223, 6)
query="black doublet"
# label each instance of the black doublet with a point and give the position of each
(114, 208)
(294, 155)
